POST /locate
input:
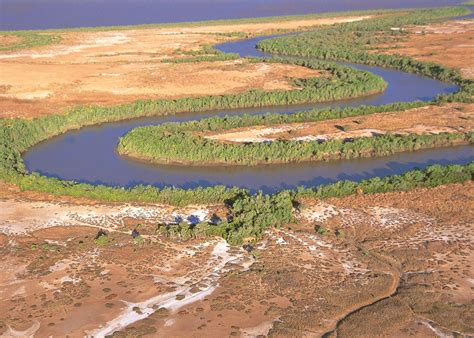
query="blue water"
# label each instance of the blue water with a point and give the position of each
(44, 14)
(89, 154)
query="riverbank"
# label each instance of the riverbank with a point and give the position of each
(156, 260)
(424, 120)
(140, 67)
(170, 287)
(316, 136)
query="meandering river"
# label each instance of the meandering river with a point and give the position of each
(89, 154)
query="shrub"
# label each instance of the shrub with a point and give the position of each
(102, 240)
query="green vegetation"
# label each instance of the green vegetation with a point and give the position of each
(251, 215)
(139, 241)
(102, 240)
(340, 233)
(205, 58)
(432, 176)
(207, 49)
(178, 142)
(49, 247)
(357, 42)
(320, 230)
(207, 53)
(27, 39)
(184, 148)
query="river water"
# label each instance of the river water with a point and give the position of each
(89, 154)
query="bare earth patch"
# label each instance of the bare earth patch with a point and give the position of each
(425, 120)
(449, 43)
(107, 85)
(57, 280)
(7, 40)
(305, 284)
(72, 286)
(20, 217)
(112, 67)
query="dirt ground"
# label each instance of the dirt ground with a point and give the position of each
(7, 40)
(394, 264)
(120, 66)
(448, 43)
(426, 120)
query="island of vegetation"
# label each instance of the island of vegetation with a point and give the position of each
(184, 142)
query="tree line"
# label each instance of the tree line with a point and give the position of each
(358, 41)
(183, 147)
(183, 143)
(251, 215)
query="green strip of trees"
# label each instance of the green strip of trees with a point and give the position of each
(180, 143)
(183, 147)
(204, 58)
(207, 53)
(251, 215)
(358, 41)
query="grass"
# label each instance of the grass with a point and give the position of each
(102, 240)
(139, 241)
(251, 213)
(204, 58)
(28, 39)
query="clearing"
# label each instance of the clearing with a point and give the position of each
(448, 43)
(426, 120)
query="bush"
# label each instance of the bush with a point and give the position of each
(251, 215)
(102, 240)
